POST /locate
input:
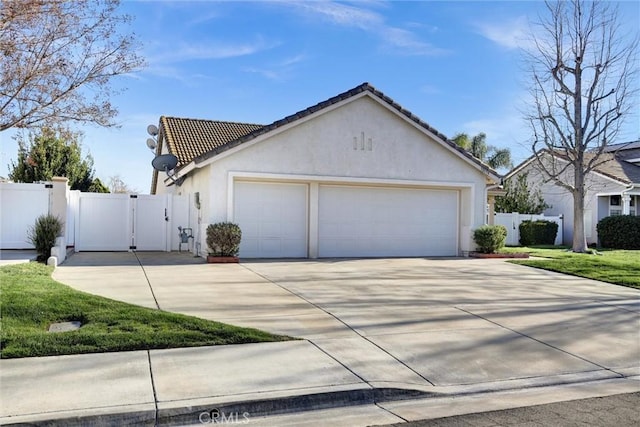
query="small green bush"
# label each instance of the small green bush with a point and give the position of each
(223, 239)
(43, 235)
(619, 232)
(539, 232)
(490, 238)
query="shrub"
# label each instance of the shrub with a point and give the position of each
(223, 239)
(43, 235)
(490, 238)
(540, 232)
(619, 232)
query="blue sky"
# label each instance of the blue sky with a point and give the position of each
(454, 64)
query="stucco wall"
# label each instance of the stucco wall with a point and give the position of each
(561, 200)
(197, 182)
(331, 144)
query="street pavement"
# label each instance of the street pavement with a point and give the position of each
(403, 339)
(621, 410)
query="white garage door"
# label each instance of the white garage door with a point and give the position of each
(273, 219)
(368, 221)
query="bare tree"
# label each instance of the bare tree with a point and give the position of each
(582, 72)
(58, 58)
(117, 185)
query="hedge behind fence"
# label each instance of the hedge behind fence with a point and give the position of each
(619, 232)
(540, 232)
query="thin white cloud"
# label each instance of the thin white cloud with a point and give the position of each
(342, 14)
(511, 34)
(204, 18)
(209, 50)
(408, 42)
(279, 71)
(430, 89)
(395, 39)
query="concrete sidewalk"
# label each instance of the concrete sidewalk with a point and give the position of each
(16, 256)
(450, 335)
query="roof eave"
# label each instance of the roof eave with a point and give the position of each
(362, 90)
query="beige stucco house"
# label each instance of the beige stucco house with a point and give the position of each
(354, 176)
(613, 188)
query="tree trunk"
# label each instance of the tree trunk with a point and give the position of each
(579, 243)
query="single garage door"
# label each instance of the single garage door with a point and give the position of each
(273, 219)
(372, 221)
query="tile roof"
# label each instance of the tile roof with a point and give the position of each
(188, 139)
(198, 140)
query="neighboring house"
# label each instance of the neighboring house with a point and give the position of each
(613, 188)
(354, 176)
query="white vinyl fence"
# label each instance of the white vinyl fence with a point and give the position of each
(94, 221)
(20, 205)
(512, 222)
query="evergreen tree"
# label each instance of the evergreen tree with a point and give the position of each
(53, 152)
(520, 198)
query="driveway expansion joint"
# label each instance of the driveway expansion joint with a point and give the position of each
(153, 388)
(541, 342)
(343, 322)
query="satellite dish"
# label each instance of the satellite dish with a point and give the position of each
(151, 143)
(165, 162)
(152, 130)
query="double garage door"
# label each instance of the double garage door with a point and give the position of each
(350, 221)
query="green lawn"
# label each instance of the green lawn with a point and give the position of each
(613, 266)
(31, 300)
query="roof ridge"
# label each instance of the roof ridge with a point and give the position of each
(213, 121)
(363, 87)
(309, 111)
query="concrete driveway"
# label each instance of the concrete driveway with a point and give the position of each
(408, 323)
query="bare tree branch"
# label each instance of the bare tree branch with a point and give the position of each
(583, 72)
(59, 58)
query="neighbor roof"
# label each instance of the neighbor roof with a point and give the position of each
(196, 140)
(618, 167)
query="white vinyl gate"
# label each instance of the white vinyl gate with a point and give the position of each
(122, 222)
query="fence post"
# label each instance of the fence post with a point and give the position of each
(59, 204)
(59, 198)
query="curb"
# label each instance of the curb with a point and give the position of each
(229, 412)
(240, 412)
(237, 411)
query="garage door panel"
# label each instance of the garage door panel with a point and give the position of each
(369, 221)
(273, 219)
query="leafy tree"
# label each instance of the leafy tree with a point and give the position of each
(520, 198)
(58, 59)
(477, 147)
(583, 74)
(52, 153)
(98, 187)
